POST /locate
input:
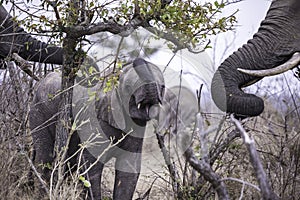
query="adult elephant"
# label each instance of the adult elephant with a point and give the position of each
(13, 39)
(111, 123)
(276, 42)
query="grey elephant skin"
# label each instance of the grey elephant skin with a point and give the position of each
(13, 39)
(112, 114)
(277, 39)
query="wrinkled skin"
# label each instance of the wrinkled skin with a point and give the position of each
(141, 86)
(15, 40)
(277, 39)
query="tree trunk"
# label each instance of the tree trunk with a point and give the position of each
(68, 76)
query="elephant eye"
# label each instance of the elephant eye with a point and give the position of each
(163, 87)
(162, 90)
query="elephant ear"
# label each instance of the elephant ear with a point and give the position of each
(109, 109)
(91, 104)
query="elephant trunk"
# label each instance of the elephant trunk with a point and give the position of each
(275, 42)
(14, 39)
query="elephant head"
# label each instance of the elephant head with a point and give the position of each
(276, 41)
(118, 115)
(15, 40)
(141, 85)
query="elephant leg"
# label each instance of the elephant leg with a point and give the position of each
(43, 145)
(127, 173)
(125, 184)
(93, 175)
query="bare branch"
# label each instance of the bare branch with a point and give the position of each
(203, 166)
(167, 36)
(37, 174)
(207, 172)
(261, 176)
(107, 26)
(228, 2)
(24, 65)
(170, 165)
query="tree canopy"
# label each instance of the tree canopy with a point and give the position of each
(184, 24)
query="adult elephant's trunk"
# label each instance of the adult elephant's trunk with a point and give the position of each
(277, 39)
(14, 39)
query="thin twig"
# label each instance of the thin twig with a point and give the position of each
(222, 147)
(242, 181)
(293, 97)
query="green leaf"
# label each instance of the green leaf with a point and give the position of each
(81, 178)
(217, 4)
(85, 182)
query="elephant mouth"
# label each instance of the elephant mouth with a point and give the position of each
(148, 110)
(144, 110)
(151, 110)
(145, 101)
(146, 107)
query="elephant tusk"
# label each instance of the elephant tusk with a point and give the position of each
(139, 106)
(290, 64)
(147, 109)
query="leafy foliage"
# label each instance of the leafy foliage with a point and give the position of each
(185, 24)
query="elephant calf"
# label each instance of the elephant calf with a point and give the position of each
(112, 122)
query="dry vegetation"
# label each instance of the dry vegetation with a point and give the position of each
(276, 133)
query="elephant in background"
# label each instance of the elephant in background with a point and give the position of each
(276, 41)
(15, 40)
(117, 116)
